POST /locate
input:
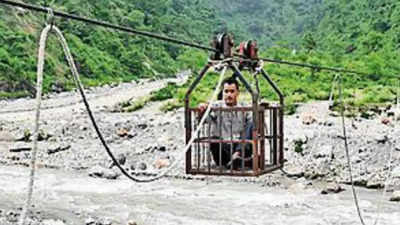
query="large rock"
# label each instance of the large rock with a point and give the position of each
(386, 121)
(381, 138)
(101, 172)
(299, 138)
(375, 182)
(122, 132)
(161, 163)
(23, 136)
(308, 118)
(332, 188)
(58, 148)
(329, 122)
(367, 114)
(142, 166)
(396, 172)
(325, 151)
(121, 159)
(395, 196)
(20, 147)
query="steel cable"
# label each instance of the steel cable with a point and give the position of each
(347, 152)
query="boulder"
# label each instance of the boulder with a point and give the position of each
(367, 114)
(395, 196)
(396, 172)
(161, 163)
(374, 182)
(308, 118)
(101, 172)
(20, 147)
(325, 151)
(381, 138)
(332, 188)
(386, 121)
(121, 159)
(142, 166)
(329, 122)
(24, 136)
(58, 148)
(122, 132)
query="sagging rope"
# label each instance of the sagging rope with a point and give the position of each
(42, 45)
(387, 183)
(80, 88)
(347, 152)
(41, 58)
(388, 179)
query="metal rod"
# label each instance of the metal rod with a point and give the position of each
(231, 150)
(275, 129)
(188, 116)
(254, 95)
(243, 138)
(274, 86)
(209, 149)
(197, 159)
(220, 144)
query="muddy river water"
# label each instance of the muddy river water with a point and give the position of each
(74, 197)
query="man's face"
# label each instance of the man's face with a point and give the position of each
(230, 94)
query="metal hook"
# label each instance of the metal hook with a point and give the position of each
(50, 17)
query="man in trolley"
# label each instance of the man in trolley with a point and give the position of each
(230, 125)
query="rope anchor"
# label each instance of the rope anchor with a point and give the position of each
(50, 17)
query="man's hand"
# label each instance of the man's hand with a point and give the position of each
(202, 107)
(235, 155)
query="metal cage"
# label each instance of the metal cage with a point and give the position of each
(265, 143)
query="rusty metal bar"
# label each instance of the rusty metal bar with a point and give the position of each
(222, 141)
(271, 143)
(197, 158)
(281, 152)
(281, 114)
(275, 130)
(231, 144)
(236, 109)
(209, 149)
(262, 140)
(273, 85)
(188, 116)
(254, 95)
(220, 145)
(254, 149)
(243, 139)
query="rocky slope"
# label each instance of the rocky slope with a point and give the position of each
(146, 141)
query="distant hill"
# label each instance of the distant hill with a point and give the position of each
(268, 21)
(102, 55)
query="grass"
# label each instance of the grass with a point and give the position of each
(11, 95)
(135, 105)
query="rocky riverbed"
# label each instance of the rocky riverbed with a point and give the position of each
(78, 184)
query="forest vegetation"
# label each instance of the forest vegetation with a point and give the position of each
(353, 34)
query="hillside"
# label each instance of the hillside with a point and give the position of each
(359, 35)
(269, 21)
(103, 56)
